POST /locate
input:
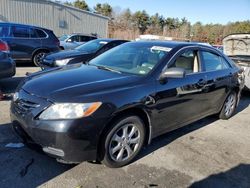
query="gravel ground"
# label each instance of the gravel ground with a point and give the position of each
(207, 153)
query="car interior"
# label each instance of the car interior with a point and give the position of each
(188, 61)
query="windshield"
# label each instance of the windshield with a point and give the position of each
(134, 58)
(92, 46)
(63, 37)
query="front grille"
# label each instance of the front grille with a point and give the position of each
(23, 106)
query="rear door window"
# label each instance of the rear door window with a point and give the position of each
(40, 33)
(85, 38)
(4, 31)
(20, 31)
(213, 62)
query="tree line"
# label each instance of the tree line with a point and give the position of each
(126, 24)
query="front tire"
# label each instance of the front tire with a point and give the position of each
(229, 106)
(123, 141)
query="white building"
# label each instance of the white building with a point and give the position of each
(62, 19)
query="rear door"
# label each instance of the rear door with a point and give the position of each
(180, 100)
(19, 44)
(23, 42)
(218, 75)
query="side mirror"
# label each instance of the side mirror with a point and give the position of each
(69, 40)
(173, 73)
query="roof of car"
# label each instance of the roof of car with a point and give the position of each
(171, 44)
(110, 40)
(84, 34)
(19, 24)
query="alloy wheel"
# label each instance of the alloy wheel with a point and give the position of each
(38, 58)
(125, 142)
(230, 105)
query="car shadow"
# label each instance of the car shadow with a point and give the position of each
(24, 64)
(244, 101)
(238, 176)
(169, 137)
(23, 167)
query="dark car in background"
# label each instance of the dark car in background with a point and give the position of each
(68, 42)
(28, 43)
(81, 53)
(7, 64)
(108, 109)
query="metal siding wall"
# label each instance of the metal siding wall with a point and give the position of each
(47, 14)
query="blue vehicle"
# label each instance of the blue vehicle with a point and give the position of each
(7, 65)
(28, 43)
(69, 42)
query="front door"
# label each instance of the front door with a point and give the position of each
(180, 100)
(21, 43)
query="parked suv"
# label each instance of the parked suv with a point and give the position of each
(68, 42)
(28, 42)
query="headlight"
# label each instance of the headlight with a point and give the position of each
(69, 110)
(62, 62)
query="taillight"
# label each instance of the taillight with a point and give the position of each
(4, 46)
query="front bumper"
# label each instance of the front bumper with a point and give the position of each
(69, 140)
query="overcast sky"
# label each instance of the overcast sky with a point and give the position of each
(206, 11)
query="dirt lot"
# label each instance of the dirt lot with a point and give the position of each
(208, 153)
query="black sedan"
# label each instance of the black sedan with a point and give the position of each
(7, 65)
(81, 53)
(109, 108)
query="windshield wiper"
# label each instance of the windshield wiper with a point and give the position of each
(108, 69)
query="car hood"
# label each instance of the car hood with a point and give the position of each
(74, 82)
(65, 54)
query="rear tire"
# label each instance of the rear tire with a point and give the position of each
(123, 141)
(229, 106)
(37, 57)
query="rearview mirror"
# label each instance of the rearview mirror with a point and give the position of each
(174, 73)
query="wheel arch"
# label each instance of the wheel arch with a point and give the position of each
(37, 50)
(138, 111)
(237, 90)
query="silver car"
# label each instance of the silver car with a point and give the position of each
(68, 42)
